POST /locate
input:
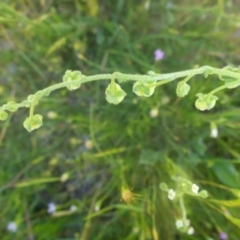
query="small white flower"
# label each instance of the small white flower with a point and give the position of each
(73, 208)
(12, 227)
(51, 115)
(135, 229)
(179, 223)
(153, 113)
(97, 208)
(165, 100)
(88, 144)
(147, 5)
(64, 177)
(190, 231)
(195, 188)
(171, 194)
(214, 133)
(51, 207)
(186, 222)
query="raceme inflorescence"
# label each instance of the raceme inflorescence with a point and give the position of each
(144, 86)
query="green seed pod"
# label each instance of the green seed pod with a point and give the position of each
(182, 89)
(211, 101)
(3, 115)
(11, 106)
(203, 194)
(144, 89)
(114, 93)
(34, 123)
(205, 101)
(72, 76)
(200, 102)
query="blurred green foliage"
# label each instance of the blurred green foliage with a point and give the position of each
(92, 154)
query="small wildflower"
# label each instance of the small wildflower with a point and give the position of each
(64, 177)
(12, 227)
(195, 188)
(135, 229)
(214, 130)
(88, 144)
(165, 100)
(97, 208)
(179, 223)
(147, 5)
(223, 236)
(73, 208)
(51, 115)
(153, 113)
(127, 195)
(190, 231)
(158, 54)
(171, 194)
(214, 133)
(187, 222)
(51, 208)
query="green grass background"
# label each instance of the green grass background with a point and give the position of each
(39, 41)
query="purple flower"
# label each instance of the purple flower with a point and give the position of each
(12, 227)
(51, 208)
(223, 236)
(158, 54)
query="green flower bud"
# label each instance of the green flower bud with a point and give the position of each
(203, 194)
(3, 115)
(164, 187)
(34, 123)
(72, 76)
(144, 89)
(182, 89)
(114, 93)
(185, 185)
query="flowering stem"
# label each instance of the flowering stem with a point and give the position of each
(121, 77)
(184, 214)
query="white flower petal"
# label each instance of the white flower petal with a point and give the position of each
(171, 194)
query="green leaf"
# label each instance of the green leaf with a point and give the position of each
(33, 123)
(205, 101)
(227, 203)
(72, 76)
(114, 93)
(182, 89)
(144, 89)
(3, 115)
(227, 174)
(36, 181)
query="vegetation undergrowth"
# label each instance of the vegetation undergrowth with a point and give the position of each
(148, 168)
